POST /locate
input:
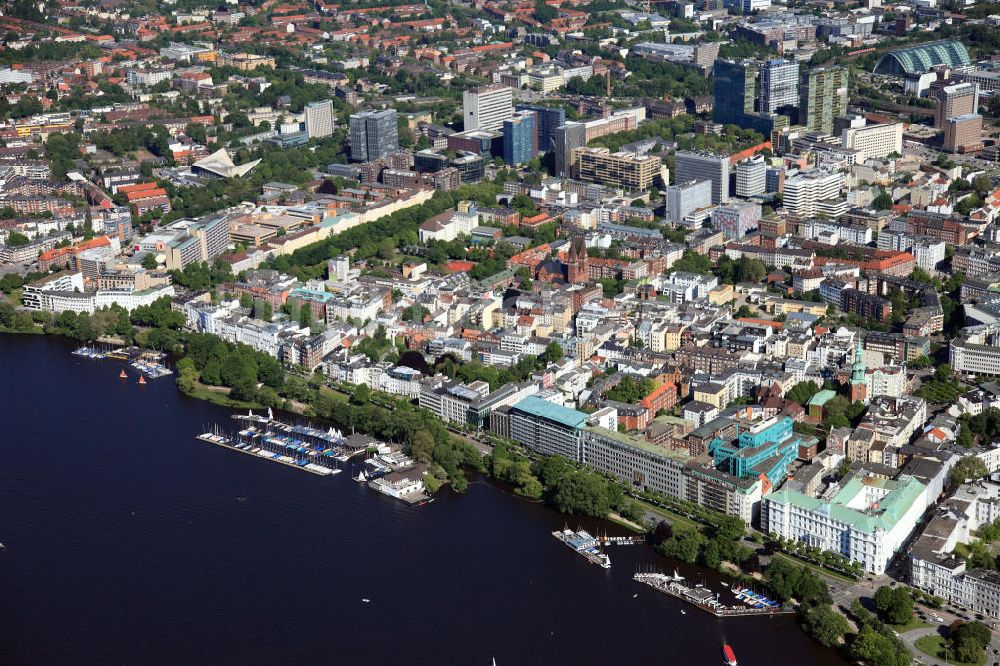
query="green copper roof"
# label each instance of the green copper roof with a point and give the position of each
(920, 58)
(903, 492)
(551, 411)
(822, 397)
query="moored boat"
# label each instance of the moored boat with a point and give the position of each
(728, 656)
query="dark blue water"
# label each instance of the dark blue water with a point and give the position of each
(126, 545)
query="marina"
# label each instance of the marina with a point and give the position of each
(585, 544)
(303, 463)
(707, 600)
(148, 362)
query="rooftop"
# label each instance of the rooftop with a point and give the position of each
(538, 407)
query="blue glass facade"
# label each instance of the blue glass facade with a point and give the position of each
(519, 139)
(546, 120)
(769, 451)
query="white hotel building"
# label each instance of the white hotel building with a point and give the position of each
(866, 521)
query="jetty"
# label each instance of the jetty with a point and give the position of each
(705, 599)
(268, 452)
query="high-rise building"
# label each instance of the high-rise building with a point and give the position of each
(734, 96)
(822, 97)
(751, 177)
(486, 108)
(960, 99)
(779, 85)
(319, 119)
(704, 166)
(734, 89)
(874, 141)
(519, 138)
(546, 122)
(684, 197)
(374, 134)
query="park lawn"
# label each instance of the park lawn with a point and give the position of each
(220, 397)
(669, 515)
(934, 647)
(914, 623)
(815, 567)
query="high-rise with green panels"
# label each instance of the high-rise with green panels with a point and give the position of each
(822, 97)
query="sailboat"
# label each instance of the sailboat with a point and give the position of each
(677, 576)
(142, 380)
(122, 374)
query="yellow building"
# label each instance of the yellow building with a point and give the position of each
(245, 62)
(721, 295)
(626, 170)
(714, 394)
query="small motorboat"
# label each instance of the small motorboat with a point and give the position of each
(367, 600)
(142, 380)
(728, 656)
(725, 585)
(122, 375)
(683, 612)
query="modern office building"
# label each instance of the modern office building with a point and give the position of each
(627, 170)
(736, 219)
(734, 89)
(822, 97)
(690, 166)
(761, 448)
(374, 134)
(685, 197)
(547, 428)
(874, 141)
(963, 134)
(751, 177)
(866, 521)
(734, 97)
(635, 461)
(319, 119)
(520, 138)
(976, 350)
(486, 108)
(546, 122)
(779, 86)
(959, 99)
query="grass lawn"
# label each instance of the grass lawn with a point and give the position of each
(815, 567)
(914, 623)
(202, 392)
(934, 646)
(669, 515)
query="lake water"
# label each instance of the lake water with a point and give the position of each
(127, 544)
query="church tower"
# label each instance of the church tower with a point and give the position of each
(576, 264)
(859, 379)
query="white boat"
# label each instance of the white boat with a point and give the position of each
(725, 585)
(366, 600)
(677, 576)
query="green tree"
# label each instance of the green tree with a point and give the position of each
(149, 262)
(967, 469)
(825, 625)
(882, 201)
(582, 493)
(893, 605)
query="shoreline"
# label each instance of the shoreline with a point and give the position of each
(223, 401)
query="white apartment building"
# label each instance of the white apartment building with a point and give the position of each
(874, 141)
(805, 192)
